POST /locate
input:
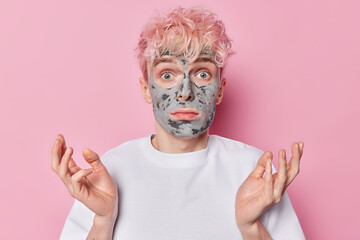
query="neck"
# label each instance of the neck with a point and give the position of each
(164, 142)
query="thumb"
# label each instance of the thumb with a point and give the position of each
(93, 159)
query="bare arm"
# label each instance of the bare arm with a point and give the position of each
(255, 231)
(102, 229)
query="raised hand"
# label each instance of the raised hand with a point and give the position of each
(257, 194)
(93, 187)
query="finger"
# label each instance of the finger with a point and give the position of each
(77, 177)
(93, 159)
(73, 167)
(64, 169)
(281, 177)
(274, 176)
(268, 182)
(55, 155)
(260, 168)
(301, 145)
(63, 143)
(294, 164)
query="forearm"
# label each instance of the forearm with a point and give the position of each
(256, 230)
(102, 229)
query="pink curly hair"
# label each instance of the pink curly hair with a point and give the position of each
(184, 32)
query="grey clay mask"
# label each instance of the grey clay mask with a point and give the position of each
(165, 100)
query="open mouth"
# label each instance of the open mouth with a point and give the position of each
(188, 114)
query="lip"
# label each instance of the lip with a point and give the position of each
(188, 114)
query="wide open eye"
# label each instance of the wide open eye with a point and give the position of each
(203, 75)
(166, 76)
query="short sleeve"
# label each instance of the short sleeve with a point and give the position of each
(78, 223)
(281, 221)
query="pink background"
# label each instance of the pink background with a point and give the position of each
(69, 67)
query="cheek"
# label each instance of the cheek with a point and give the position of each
(206, 98)
(163, 99)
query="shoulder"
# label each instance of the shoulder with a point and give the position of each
(238, 158)
(125, 150)
(124, 147)
(240, 153)
(235, 147)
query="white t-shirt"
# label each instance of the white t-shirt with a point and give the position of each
(186, 196)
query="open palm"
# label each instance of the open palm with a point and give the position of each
(94, 187)
(256, 194)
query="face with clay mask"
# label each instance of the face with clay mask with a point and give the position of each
(184, 94)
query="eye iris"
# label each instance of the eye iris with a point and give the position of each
(203, 75)
(167, 76)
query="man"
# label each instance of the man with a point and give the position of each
(180, 183)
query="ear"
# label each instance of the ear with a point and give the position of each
(145, 89)
(221, 92)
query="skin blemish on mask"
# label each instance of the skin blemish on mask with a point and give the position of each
(165, 96)
(157, 105)
(177, 124)
(194, 131)
(208, 123)
(203, 89)
(153, 87)
(201, 102)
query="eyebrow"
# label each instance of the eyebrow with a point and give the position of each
(164, 60)
(204, 59)
(172, 60)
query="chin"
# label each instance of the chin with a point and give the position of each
(185, 133)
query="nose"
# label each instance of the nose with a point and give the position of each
(185, 91)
